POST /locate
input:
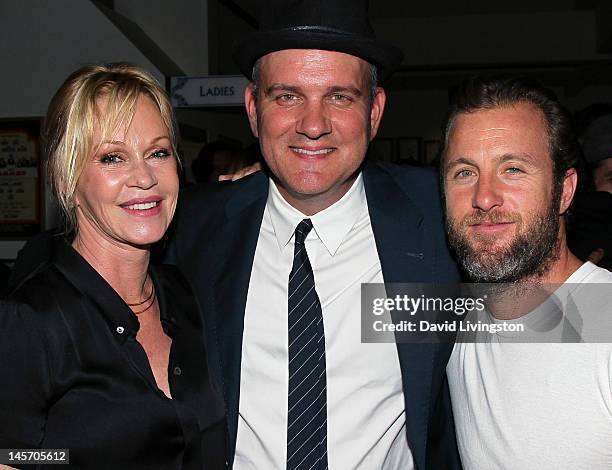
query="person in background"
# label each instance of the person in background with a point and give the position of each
(222, 161)
(214, 159)
(508, 170)
(101, 352)
(590, 234)
(597, 146)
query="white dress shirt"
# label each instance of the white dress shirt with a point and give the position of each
(365, 403)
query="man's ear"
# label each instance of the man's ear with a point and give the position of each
(570, 183)
(250, 103)
(378, 107)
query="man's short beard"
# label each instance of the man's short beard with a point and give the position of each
(528, 256)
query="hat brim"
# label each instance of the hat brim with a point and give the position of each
(385, 57)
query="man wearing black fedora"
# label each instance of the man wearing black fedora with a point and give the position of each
(278, 258)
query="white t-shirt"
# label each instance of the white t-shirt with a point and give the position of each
(539, 406)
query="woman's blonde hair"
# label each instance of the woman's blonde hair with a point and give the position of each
(68, 134)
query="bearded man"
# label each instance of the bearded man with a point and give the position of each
(508, 176)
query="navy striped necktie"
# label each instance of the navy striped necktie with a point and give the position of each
(307, 399)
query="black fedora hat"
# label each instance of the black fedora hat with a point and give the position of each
(333, 25)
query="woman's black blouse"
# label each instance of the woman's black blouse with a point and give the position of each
(74, 377)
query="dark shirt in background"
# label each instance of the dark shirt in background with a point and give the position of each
(591, 226)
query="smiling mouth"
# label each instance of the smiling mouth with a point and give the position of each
(142, 206)
(312, 153)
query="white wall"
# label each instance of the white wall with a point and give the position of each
(43, 41)
(179, 28)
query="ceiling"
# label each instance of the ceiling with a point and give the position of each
(409, 9)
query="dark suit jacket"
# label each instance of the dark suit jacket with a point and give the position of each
(214, 244)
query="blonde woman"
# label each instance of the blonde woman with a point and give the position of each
(102, 353)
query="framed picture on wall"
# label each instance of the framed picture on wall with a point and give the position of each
(21, 201)
(409, 150)
(430, 155)
(381, 149)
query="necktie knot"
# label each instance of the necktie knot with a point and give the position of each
(302, 230)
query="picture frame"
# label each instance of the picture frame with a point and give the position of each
(408, 150)
(21, 182)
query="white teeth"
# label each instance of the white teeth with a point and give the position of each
(312, 152)
(142, 207)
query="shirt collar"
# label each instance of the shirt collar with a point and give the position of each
(91, 284)
(331, 225)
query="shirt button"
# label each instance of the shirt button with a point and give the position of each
(177, 370)
(120, 330)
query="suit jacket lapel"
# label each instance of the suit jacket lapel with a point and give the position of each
(396, 222)
(397, 226)
(234, 255)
